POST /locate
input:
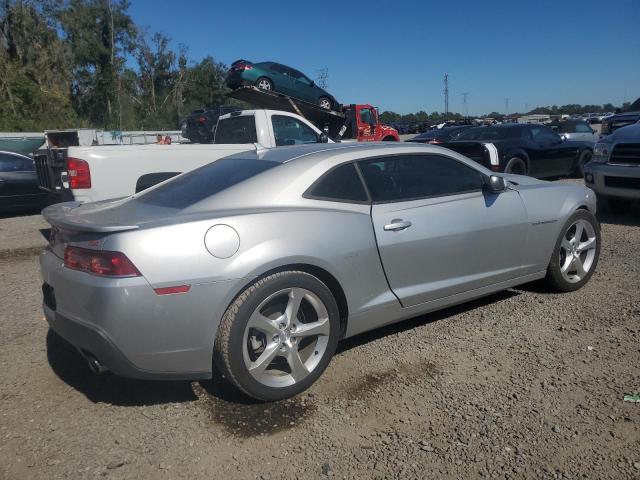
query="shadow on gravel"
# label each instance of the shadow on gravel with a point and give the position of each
(394, 328)
(629, 218)
(246, 417)
(72, 369)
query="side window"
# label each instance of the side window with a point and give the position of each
(290, 131)
(276, 67)
(341, 184)
(29, 165)
(10, 163)
(543, 134)
(409, 177)
(241, 129)
(365, 116)
(583, 128)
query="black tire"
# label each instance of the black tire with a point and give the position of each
(325, 102)
(585, 157)
(228, 347)
(263, 82)
(554, 278)
(517, 166)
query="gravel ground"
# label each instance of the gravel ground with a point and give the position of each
(523, 383)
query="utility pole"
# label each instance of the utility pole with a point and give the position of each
(446, 96)
(506, 106)
(526, 108)
(322, 77)
(464, 103)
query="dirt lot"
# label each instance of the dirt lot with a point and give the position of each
(520, 384)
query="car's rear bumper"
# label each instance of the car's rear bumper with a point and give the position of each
(613, 180)
(130, 329)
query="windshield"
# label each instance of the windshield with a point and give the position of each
(204, 182)
(490, 133)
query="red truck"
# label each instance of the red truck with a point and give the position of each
(360, 122)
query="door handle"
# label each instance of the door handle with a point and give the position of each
(396, 225)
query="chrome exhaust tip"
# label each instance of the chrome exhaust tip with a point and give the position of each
(94, 364)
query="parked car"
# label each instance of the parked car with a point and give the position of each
(274, 76)
(200, 125)
(523, 149)
(614, 170)
(401, 128)
(439, 135)
(622, 119)
(19, 184)
(260, 263)
(575, 130)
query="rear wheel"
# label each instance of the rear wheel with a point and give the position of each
(278, 336)
(576, 254)
(325, 102)
(263, 83)
(517, 166)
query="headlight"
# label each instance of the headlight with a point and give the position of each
(601, 152)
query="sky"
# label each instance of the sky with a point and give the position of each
(394, 54)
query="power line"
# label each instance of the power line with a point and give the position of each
(322, 78)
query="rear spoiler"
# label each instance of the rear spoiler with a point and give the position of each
(241, 61)
(61, 216)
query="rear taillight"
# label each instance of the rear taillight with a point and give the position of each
(435, 140)
(101, 263)
(242, 67)
(79, 173)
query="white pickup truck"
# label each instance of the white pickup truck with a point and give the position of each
(93, 173)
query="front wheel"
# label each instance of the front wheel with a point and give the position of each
(585, 157)
(576, 254)
(325, 103)
(278, 336)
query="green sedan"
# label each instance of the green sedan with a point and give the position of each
(272, 76)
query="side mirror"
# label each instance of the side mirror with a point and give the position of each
(496, 184)
(313, 84)
(323, 138)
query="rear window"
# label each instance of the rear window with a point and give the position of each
(490, 133)
(203, 182)
(236, 130)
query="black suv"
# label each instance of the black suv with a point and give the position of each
(200, 125)
(621, 119)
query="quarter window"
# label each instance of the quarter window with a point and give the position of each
(290, 131)
(341, 184)
(409, 177)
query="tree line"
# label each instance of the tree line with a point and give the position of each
(73, 63)
(434, 117)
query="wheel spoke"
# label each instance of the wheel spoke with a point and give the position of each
(320, 327)
(578, 235)
(293, 305)
(567, 263)
(566, 245)
(577, 263)
(265, 359)
(590, 244)
(298, 368)
(262, 323)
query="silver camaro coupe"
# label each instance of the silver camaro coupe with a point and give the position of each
(259, 263)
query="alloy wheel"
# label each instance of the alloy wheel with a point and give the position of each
(325, 103)
(577, 251)
(286, 337)
(264, 84)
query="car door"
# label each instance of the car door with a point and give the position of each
(551, 156)
(366, 125)
(18, 181)
(438, 232)
(304, 87)
(282, 79)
